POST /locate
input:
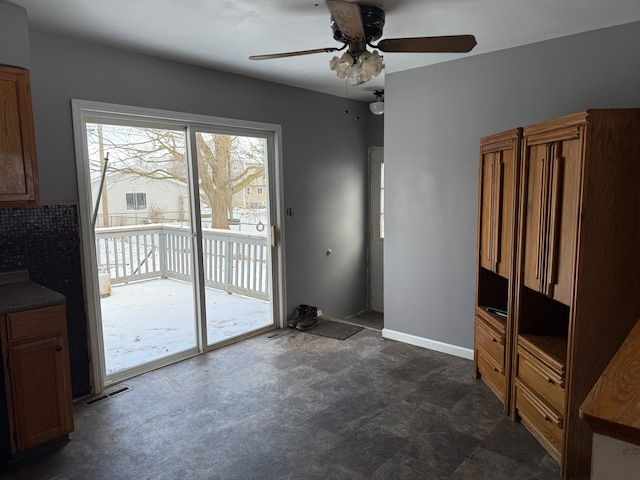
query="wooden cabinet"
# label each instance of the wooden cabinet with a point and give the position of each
(574, 294)
(497, 213)
(552, 168)
(37, 376)
(499, 156)
(18, 169)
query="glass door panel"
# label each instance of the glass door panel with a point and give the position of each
(141, 218)
(234, 211)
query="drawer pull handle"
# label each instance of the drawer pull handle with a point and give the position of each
(495, 340)
(58, 348)
(495, 369)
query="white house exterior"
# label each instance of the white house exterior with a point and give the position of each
(132, 199)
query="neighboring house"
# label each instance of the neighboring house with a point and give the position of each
(133, 199)
(252, 196)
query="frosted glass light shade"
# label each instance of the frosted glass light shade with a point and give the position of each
(377, 107)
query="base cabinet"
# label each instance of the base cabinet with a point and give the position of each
(572, 297)
(37, 376)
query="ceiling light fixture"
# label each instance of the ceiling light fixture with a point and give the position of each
(357, 67)
(377, 107)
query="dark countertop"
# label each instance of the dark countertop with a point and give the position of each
(18, 293)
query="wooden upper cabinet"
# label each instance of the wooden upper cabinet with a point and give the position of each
(553, 166)
(498, 182)
(18, 170)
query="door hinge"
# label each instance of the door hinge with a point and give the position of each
(273, 236)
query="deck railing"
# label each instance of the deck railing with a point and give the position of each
(234, 262)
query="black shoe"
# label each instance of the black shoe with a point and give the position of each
(301, 315)
(310, 320)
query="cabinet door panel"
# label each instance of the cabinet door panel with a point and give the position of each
(505, 211)
(486, 210)
(18, 171)
(40, 388)
(497, 189)
(535, 166)
(564, 205)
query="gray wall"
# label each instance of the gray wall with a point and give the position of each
(434, 119)
(14, 36)
(324, 151)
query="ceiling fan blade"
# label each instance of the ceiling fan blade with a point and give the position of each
(348, 18)
(293, 54)
(451, 43)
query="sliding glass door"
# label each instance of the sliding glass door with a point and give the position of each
(234, 227)
(181, 245)
(142, 226)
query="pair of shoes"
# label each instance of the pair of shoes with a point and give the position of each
(310, 320)
(305, 319)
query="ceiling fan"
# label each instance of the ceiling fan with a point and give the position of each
(357, 26)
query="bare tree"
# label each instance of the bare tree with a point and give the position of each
(226, 164)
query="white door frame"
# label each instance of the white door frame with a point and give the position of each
(88, 111)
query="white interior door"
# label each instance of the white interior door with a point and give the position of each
(376, 230)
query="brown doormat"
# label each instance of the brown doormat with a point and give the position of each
(331, 329)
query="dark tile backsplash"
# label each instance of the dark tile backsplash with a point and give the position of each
(46, 241)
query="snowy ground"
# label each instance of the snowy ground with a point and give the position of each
(144, 321)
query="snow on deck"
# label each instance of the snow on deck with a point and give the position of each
(146, 320)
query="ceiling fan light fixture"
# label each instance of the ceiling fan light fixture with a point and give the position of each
(342, 65)
(377, 107)
(360, 69)
(370, 64)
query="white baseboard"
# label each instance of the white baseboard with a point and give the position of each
(428, 343)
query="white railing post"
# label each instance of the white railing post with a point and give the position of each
(162, 243)
(228, 263)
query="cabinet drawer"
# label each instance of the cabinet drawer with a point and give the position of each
(544, 422)
(31, 323)
(547, 383)
(492, 374)
(490, 341)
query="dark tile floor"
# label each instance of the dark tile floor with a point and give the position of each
(290, 405)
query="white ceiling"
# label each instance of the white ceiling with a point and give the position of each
(221, 34)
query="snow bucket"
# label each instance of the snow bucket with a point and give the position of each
(104, 283)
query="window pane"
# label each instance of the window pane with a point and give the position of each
(141, 201)
(131, 201)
